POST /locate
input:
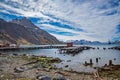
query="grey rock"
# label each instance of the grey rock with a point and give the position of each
(43, 77)
(18, 69)
(66, 66)
(58, 76)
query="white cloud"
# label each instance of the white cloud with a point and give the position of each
(89, 15)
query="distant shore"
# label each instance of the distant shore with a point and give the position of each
(31, 67)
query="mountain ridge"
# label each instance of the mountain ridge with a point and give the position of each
(92, 42)
(23, 31)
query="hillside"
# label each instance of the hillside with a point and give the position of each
(23, 31)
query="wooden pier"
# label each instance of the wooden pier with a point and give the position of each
(62, 48)
(33, 47)
(76, 49)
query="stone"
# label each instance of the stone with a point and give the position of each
(68, 60)
(66, 66)
(43, 77)
(58, 76)
(47, 69)
(14, 54)
(18, 69)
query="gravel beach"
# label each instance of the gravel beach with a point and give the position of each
(30, 67)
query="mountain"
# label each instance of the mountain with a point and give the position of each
(86, 42)
(116, 42)
(24, 22)
(23, 31)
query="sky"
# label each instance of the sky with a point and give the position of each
(93, 20)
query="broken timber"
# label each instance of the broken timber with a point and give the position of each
(76, 49)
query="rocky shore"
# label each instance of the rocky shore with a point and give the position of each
(31, 67)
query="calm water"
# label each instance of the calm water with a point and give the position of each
(77, 61)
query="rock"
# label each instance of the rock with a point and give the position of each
(43, 77)
(24, 54)
(114, 58)
(105, 65)
(58, 71)
(66, 66)
(1, 70)
(47, 69)
(1, 76)
(18, 70)
(14, 54)
(68, 60)
(58, 76)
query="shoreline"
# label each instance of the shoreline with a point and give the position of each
(28, 67)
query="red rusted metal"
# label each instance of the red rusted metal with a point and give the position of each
(70, 44)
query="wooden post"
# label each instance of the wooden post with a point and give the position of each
(97, 47)
(110, 62)
(85, 62)
(97, 60)
(91, 62)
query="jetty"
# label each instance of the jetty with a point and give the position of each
(32, 47)
(74, 49)
(64, 48)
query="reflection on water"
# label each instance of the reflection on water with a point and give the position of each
(75, 62)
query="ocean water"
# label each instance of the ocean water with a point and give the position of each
(75, 62)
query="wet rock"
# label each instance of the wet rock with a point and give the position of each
(1, 76)
(1, 70)
(20, 69)
(96, 67)
(24, 54)
(58, 76)
(58, 71)
(47, 69)
(66, 66)
(14, 54)
(105, 65)
(43, 77)
(3, 54)
(68, 60)
(70, 69)
(114, 58)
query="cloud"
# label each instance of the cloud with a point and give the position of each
(82, 19)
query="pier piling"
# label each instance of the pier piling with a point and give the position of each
(91, 62)
(110, 62)
(97, 60)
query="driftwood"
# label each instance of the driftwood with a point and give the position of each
(97, 76)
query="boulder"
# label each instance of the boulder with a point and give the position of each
(43, 77)
(58, 76)
(18, 69)
(66, 66)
